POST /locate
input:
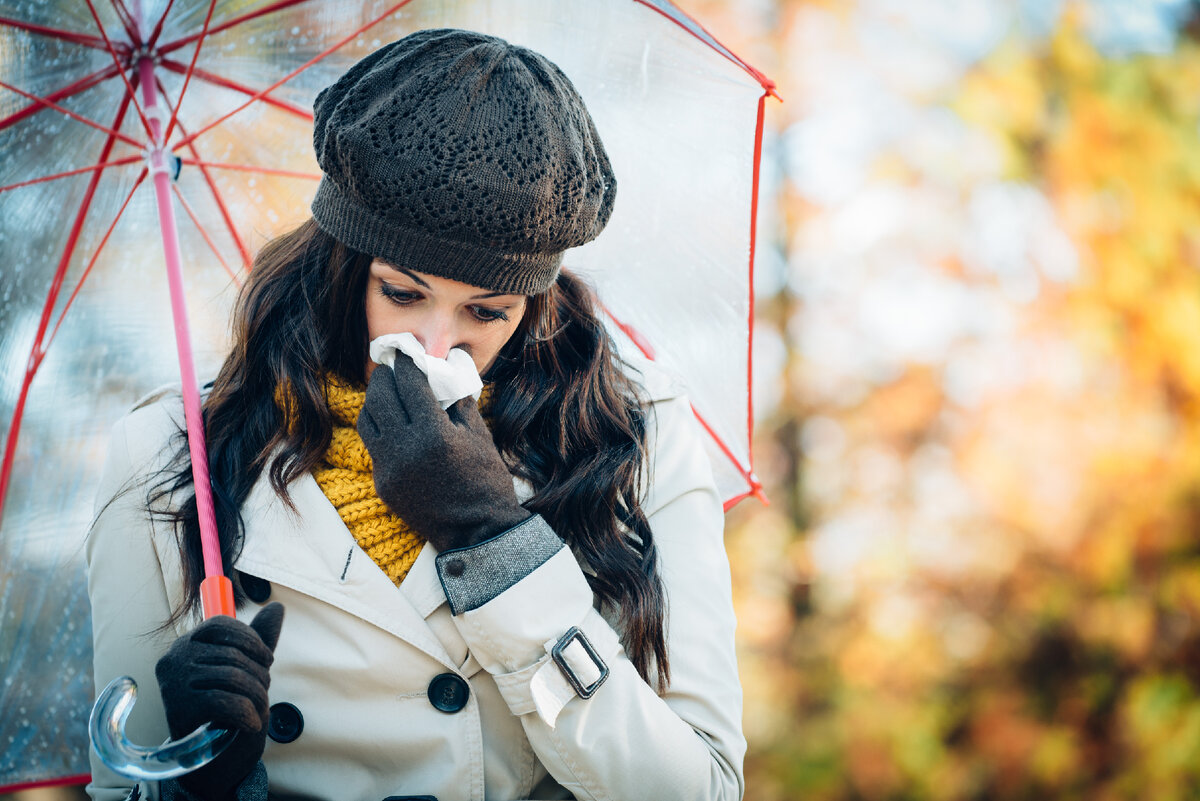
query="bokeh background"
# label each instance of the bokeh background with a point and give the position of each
(977, 388)
(978, 377)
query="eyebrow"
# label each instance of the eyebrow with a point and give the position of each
(414, 277)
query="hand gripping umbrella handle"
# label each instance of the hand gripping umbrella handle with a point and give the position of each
(106, 728)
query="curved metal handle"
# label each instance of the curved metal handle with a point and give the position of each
(106, 729)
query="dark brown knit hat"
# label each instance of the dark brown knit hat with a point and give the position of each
(460, 155)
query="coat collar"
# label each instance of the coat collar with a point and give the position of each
(310, 550)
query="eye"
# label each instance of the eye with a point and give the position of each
(485, 314)
(401, 297)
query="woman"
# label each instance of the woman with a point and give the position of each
(528, 602)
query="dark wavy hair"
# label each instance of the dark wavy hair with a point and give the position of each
(564, 415)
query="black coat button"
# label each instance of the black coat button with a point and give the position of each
(449, 692)
(256, 589)
(455, 567)
(285, 723)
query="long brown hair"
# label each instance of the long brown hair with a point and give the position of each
(565, 416)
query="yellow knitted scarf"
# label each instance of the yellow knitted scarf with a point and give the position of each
(346, 479)
(345, 476)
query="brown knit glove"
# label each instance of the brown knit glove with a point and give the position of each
(439, 471)
(218, 673)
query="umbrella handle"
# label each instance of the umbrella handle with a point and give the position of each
(106, 726)
(106, 729)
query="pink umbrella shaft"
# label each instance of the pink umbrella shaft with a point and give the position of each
(216, 591)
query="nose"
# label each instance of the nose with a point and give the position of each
(437, 335)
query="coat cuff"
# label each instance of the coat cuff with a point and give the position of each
(473, 576)
(547, 685)
(540, 638)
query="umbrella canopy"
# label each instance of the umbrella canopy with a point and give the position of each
(84, 315)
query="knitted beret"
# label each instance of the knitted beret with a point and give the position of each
(460, 155)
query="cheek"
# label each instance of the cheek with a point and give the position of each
(485, 349)
(485, 353)
(383, 316)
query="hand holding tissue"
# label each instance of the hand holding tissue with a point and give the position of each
(436, 468)
(451, 379)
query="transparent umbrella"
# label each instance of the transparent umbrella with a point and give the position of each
(85, 317)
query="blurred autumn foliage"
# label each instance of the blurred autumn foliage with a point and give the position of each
(979, 577)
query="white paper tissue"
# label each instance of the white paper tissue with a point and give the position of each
(451, 378)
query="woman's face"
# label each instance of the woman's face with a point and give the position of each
(441, 313)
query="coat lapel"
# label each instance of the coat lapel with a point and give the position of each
(311, 551)
(421, 586)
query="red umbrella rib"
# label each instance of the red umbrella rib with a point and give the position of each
(635, 336)
(230, 23)
(187, 77)
(158, 26)
(220, 201)
(643, 344)
(259, 95)
(692, 26)
(747, 474)
(187, 207)
(95, 257)
(219, 80)
(82, 85)
(120, 69)
(96, 168)
(127, 21)
(758, 140)
(62, 110)
(37, 351)
(58, 33)
(65, 781)
(315, 176)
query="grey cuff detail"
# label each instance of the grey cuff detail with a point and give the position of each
(473, 576)
(252, 788)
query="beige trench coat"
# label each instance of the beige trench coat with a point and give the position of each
(357, 655)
